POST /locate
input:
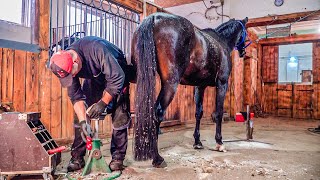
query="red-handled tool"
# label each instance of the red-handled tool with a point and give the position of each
(89, 143)
(56, 150)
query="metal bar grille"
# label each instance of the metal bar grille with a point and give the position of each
(73, 19)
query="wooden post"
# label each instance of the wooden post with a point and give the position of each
(248, 122)
(42, 32)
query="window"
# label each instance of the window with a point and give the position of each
(16, 11)
(295, 63)
(11, 11)
(15, 26)
(97, 18)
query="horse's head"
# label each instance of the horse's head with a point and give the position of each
(235, 34)
(241, 39)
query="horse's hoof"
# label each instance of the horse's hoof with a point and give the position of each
(220, 148)
(162, 164)
(198, 145)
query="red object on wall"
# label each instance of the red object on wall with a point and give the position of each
(239, 117)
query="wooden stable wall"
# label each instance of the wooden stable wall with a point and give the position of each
(316, 79)
(289, 100)
(250, 72)
(243, 82)
(29, 86)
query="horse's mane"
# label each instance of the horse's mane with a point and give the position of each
(226, 28)
(222, 26)
(222, 31)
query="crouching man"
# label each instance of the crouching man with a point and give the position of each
(103, 67)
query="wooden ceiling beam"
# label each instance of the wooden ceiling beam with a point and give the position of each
(291, 39)
(282, 19)
(166, 3)
(133, 4)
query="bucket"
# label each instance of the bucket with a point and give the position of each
(239, 117)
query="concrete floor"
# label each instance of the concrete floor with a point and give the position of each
(283, 149)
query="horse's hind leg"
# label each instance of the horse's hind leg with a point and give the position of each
(198, 98)
(220, 96)
(165, 97)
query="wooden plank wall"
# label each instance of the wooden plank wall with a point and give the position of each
(303, 105)
(6, 76)
(26, 83)
(30, 87)
(247, 82)
(269, 78)
(284, 100)
(316, 80)
(316, 100)
(269, 97)
(238, 79)
(316, 62)
(270, 64)
(250, 72)
(259, 94)
(298, 100)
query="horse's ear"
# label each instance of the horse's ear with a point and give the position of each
(245, 20)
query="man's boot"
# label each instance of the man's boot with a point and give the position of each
(75, 164)
(78, 151)
(116, 165)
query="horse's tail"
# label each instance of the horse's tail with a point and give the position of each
(146, 139)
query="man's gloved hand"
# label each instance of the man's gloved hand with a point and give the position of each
(96, 109)
(85, 128)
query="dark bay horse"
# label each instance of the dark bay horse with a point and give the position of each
(181, 54)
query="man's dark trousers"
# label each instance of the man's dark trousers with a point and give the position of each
(93, 90)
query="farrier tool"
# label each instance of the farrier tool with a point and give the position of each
(95, 161)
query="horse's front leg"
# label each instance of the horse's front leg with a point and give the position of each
(165, 97)
(198, 98)
(220, 96)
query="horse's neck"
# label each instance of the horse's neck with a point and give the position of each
(212, 34)
(230, 36)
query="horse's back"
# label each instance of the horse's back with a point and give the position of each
(182, 51)
(175, 27)
(171, 35)
(174, 36)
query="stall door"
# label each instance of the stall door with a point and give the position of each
(285, 100)
(303, 106)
